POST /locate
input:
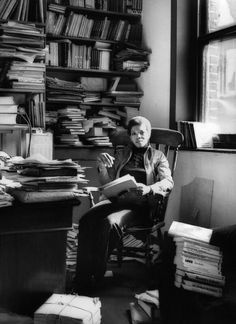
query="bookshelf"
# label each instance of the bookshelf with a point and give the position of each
(22, 61)
(59, 55)
(89, 40)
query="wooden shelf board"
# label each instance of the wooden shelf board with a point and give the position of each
(132, 74)
(5, 127)
(106, 13)
(8, 90)
(81, 39)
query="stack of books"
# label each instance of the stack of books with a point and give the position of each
(132, 60)
(24, 75)
(59, 90)
(98, 129)
(198, 263)
(146, 308)
(70, 125)
(71, 248)
(8, 110)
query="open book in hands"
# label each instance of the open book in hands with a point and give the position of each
(116, 187)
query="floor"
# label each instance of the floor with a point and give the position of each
(120, 290)
(115, 294)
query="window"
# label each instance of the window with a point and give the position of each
(217, 41)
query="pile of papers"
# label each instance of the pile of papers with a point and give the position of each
(48, 180)
(67, 309)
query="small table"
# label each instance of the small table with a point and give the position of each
(33, 253)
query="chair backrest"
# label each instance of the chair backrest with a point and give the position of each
(167, 140)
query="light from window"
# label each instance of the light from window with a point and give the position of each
(221, 14)
(219, 85)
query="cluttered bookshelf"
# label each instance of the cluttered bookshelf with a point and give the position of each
(94, 58)
(71, 66)
(22, 63)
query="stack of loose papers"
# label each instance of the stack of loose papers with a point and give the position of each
(67, 309)
(48, 180)
(118, 186)
(198, 263)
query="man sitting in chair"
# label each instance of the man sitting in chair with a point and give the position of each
(101, 227)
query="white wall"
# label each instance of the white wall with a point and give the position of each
(155, 82)
(219, 204)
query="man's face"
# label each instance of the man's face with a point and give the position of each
(139, 136)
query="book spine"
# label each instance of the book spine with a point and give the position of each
(220, 281)
(193, 284)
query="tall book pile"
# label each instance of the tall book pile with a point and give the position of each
(70, 125)
(71, 248)
(198, 263)
(145, 310)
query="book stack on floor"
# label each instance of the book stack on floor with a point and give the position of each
(146, 308)
(8, 110)
(42, 179)
(198, 263)
(65, 309)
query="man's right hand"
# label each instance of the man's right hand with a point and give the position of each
(105, 160)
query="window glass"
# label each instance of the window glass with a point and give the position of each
(221, 14)
(219, 85)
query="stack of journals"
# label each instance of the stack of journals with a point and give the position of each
(198, 263)
(146, 308)
(25, 74)
(8, 110)
(48, 180)
(126, 98)
(59, 90)
(132, 60)
(61, 308)
(17, 34)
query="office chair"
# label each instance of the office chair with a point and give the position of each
(168, 141)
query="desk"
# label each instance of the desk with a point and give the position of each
(33, 253)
